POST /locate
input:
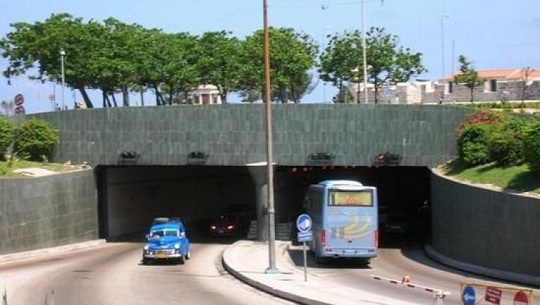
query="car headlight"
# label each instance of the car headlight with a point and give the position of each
(230, 227)
(177, 246)
(146, 247)
(213, 227)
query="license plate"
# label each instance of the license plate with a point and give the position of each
(220, 231)
(162, 255)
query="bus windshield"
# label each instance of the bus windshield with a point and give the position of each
(351, 198)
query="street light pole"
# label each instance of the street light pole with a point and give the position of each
(364, 51)
(269, 161)
(62, 54)
(442, 46)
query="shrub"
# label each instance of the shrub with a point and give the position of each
(531, 148)
(505, 148)
(484, 117)
(6, 136)
(506, 142)
(36, 138)
(473, 144)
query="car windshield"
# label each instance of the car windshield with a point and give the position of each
(161, 233)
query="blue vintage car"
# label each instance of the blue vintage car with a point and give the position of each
(166, 241)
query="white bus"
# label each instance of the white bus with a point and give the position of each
(344, 215)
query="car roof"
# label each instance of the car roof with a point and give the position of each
(168, 225)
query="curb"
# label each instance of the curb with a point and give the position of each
(49, 251)
(268, 289)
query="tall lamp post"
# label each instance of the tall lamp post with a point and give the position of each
(442, 45)
(364, 56)
(269, 161)
(62, 55)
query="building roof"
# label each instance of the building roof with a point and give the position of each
(509, 74)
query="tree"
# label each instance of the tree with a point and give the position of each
(292, 55)
(113, 59)
(341, 56)
(468, 76)
(37, 47)
(218, 62)
(178, 70)
(525, 83)
(387, 62)
(36, 138)
(6, 135)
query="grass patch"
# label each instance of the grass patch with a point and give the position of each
(7, 169)
(511, 178)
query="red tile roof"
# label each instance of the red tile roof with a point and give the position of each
(514, 74)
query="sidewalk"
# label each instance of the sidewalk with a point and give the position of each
(247, 260)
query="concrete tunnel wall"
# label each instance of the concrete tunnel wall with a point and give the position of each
(44, 212)
(486, 227)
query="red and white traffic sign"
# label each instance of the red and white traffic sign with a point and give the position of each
(19, 99)
(521, 298)
(493, 295)
(20, 110)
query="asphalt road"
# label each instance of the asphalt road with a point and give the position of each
(112, 274)
(397, 258)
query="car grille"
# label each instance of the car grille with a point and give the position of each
(165, 251)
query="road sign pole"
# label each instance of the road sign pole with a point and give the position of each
(305, 261)
(303, 224)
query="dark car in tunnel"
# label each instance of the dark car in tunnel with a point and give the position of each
(233, 221)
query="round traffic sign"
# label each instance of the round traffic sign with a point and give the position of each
(521, 298)
(19, 100)
(469, 295)
(20, 110)
(303, 223)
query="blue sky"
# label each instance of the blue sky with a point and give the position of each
(493, 34)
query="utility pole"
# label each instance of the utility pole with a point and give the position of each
(269, 150)
(62, 54)
(364, 51)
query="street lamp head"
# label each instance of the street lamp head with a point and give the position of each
(62, 52)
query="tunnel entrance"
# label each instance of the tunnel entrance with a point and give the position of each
(130, 197)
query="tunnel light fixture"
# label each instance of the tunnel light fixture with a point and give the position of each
(198, 157)
(321, 158)
(387, 159)
(128, 157)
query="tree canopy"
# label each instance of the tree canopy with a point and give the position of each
(387, 62)
(118, 58)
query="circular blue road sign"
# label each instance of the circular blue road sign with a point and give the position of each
(303, 223)
(468, 295)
